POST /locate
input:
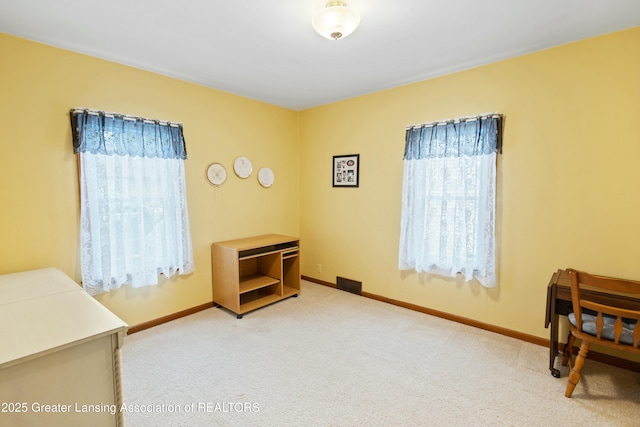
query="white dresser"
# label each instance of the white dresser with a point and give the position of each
(59, 353)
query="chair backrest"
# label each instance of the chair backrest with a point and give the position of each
(624, 320)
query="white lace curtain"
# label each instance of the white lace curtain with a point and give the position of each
(448, 198)
(134, 222)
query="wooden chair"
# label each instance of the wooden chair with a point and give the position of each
(592, 322)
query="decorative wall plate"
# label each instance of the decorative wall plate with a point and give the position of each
(265, 177)
(242, 167)
(216, 174)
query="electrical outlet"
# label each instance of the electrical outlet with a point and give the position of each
(319, 268)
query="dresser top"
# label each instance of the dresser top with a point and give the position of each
(43, 311)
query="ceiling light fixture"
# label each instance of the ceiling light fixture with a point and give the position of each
(336, 20)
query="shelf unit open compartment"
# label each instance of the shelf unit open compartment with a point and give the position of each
(290, 272)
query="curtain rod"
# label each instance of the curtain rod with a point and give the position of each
(457, 120)
(124, 116)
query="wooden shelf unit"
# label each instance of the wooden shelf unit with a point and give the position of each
(253, 272)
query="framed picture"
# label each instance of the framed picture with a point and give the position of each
(346, 170)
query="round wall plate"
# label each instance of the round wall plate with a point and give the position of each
(242, 167)
(265, 177)
(216, 174)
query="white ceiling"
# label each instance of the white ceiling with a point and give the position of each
(267, 49)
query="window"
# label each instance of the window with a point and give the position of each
(134, 222)
(448, 198)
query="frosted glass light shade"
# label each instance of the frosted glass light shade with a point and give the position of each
(336, 20)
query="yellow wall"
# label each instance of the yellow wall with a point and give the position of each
(569, 177)
(38, 171)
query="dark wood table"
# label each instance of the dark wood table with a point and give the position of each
(559, 303)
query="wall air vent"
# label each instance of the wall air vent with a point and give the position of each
(349, 285)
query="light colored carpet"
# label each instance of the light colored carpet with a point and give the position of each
(330, 358)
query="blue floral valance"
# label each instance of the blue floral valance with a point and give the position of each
(111, 134)
(454, 138)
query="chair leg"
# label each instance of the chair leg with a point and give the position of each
(568, 350)
(574, 375)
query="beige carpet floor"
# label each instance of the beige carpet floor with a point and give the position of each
(330, 358)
